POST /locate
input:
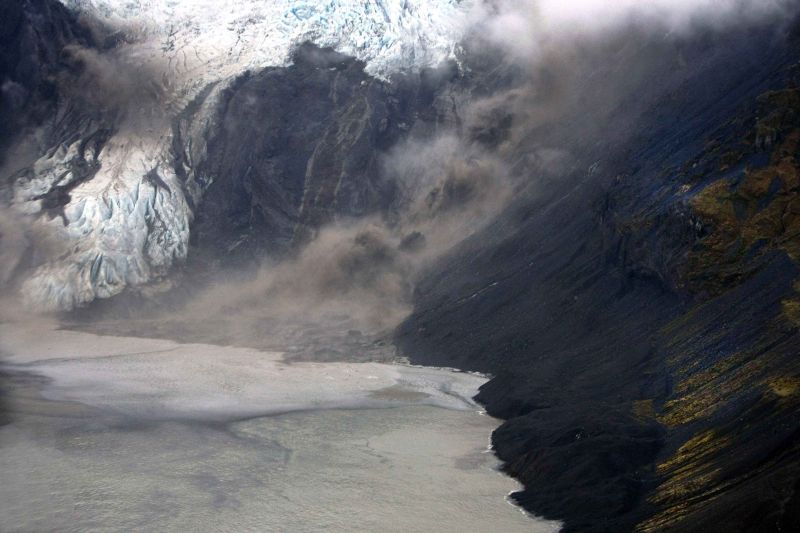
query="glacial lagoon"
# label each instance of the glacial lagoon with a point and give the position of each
(123, 434)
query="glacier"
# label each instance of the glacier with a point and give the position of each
(126, 220)
(226, 38)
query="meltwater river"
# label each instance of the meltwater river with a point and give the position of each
(127, 434)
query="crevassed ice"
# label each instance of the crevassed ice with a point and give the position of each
(124, 227)
(386, 34)
(127, 224)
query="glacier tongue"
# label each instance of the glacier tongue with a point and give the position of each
(129, 221)
(127, 224)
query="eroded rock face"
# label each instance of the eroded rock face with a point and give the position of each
(32, 36)
(294, 147)
(299, 147)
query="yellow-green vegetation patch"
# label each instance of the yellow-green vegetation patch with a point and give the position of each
(764, 207)
(664, 518)
(644, 409)
(778, 108)
(791, 310)
(693, 452)
(688, 475)
(706, 377)
(791, 306)
(785, 387)
(700, 394)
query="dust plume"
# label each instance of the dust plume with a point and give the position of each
(527, 28)
(358, 275)
(561, 78)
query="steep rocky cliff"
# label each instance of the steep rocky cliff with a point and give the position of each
(32, 38)
(295, 148)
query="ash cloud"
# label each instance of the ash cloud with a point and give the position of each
(125, 93)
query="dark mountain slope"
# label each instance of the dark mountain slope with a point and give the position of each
(641, 321)
(33, 35)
